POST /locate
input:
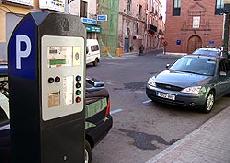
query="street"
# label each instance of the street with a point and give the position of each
(141, 128)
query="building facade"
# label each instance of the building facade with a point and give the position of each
(131, 24)
(191, 24)
(10, 15)
(12, 12)
(140, 23)
(155, 25)
(109, 35)
(87, 10)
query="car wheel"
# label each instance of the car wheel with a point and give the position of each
(95, 62)
(210, 100)
(88, 152)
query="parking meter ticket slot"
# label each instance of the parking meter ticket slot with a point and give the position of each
(68, 90)
(54, 99)
(60, 56)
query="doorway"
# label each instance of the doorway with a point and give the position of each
(194, 42)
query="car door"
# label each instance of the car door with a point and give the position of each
(227, 88)
(223, 78)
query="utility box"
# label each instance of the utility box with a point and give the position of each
(46, 59)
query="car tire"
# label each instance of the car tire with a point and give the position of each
(210, 101)
(88, 152)
(95, 62)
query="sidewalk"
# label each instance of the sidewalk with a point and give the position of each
(153, 51)
(209, 143)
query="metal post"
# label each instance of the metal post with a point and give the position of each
(226, 27)
(226, 35)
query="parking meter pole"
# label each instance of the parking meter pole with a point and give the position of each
(46, 60)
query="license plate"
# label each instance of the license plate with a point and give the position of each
(164, 95)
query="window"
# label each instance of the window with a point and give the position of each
(176, 7)
(140, 10)
(129, 2)
(95, 48)
(219, 7)
(84, 7)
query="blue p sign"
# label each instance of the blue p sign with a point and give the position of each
(21, 53)
(22, 50)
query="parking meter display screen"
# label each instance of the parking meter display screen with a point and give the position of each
(63, 56)
(60, 56)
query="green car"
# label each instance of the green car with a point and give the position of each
(196, 80)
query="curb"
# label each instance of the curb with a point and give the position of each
(179, 143)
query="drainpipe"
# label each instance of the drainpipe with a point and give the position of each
(226, 27)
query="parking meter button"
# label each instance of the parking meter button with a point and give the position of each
(78, 85)
(78, 78)
(51, 80)
(57, 79)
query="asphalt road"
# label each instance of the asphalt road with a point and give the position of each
(141, 129)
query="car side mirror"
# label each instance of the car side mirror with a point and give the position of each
(222, 73)
(167, 66)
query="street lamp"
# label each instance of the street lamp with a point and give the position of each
(226, 27)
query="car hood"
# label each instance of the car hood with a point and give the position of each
(181, 79)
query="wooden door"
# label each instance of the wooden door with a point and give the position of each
(194, 42)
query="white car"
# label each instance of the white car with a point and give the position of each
(93, 52)
(208, 51)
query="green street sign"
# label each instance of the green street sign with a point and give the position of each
(93, 29)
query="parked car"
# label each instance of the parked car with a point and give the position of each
(93, 53)
(193, 80)
(208, 51)
(98, 120)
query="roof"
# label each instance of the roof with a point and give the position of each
(211, 49)
(209, 52)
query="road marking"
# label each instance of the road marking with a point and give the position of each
(146, 102)
(116, 111)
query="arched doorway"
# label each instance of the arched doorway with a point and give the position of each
(194, 42)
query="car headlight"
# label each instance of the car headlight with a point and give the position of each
(151, 82)
(192, 90)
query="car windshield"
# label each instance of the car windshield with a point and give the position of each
(196, 65)
(206, 52)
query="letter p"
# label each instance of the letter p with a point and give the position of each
(22, 53)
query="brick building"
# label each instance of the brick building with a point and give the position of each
(140, 23)
(191, 24)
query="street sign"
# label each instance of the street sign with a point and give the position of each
(52, 5)
(178, 42)
(21, 2)
(90, 28)
(102, 18)
(88, 21)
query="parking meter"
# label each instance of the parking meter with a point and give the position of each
(46, 60)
